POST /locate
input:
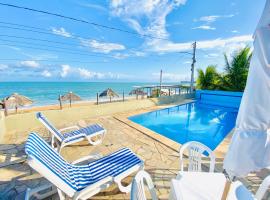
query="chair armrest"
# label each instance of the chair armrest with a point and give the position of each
(92, 156)
(69, 128)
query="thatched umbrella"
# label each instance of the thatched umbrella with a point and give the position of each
(70, 96)
(137, 92)
(109, 93)
(16, 100)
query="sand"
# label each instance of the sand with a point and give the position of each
(25, 121)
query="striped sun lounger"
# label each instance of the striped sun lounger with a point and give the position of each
(80, 181)
(60, 139)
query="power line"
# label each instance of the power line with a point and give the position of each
(45, 49)
(46, 60)
(36, 39)
(80, 20)
(42, 32)
(47, 32)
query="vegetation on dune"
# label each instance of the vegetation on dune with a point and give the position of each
(234, 76)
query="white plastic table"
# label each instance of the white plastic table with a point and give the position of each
(206, 186)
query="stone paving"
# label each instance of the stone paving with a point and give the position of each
(160, 161)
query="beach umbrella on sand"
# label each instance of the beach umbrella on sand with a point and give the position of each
(109, 93)
(16, 100)
(70, 96)
(249, 150)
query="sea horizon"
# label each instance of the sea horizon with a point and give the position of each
(47, 93)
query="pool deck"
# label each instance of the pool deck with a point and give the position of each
(159, 153)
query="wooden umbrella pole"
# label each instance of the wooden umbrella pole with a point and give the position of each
(226, 189)
(60, 102)
(16, 108)
(5, 107)
(70, 102)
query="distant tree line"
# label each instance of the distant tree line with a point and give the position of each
(234, 76)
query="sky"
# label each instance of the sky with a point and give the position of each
(144, 36)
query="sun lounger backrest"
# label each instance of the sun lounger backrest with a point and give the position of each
(51, 128)
(44, 158)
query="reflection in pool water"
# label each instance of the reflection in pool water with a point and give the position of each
(208, 124)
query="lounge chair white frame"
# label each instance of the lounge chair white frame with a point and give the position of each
(64, 190)
(58, 143)
(264, 187)
(137, 189)
(195, 151)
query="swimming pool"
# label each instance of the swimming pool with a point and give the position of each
(196, 121)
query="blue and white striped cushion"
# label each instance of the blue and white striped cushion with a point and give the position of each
(81, 176)
(39, 115)
(81, 133)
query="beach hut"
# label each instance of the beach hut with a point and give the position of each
(16, 100)
(70, 96)
(109, 93)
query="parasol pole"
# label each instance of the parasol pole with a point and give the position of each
(16, 107)
(5, 107)
(60, 102)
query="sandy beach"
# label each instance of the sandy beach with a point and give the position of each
(17, 125)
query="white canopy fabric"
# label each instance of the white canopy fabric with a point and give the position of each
(249, 150)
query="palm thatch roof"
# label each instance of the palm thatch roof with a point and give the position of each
(17, 100)
(108, 93)
(137, 92)
(70, 96)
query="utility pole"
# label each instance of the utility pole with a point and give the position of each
(160, 82)
(192, 66)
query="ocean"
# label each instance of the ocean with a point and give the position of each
(47, 93)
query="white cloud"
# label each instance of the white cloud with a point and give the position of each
(3, 67)
(30, 63)
(65, 70)
(94, 6)
(211, 55)
(220, 43)
(102, 47)
(155, 12)
(205, 27)
(187, 62)
(121, 55)
(84, 73)
(213, 18)
(235, 31)
(46, 74)
(61, 31)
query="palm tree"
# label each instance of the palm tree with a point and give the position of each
(236, 71)
(207, 80)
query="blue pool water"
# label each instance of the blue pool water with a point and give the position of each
(197, 121)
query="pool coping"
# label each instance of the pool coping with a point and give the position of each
(220, 151)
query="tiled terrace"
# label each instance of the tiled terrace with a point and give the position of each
(161, 161)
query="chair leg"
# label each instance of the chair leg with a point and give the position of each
(99, 141)
(125, 189)
(36, 192)
(61, 195)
